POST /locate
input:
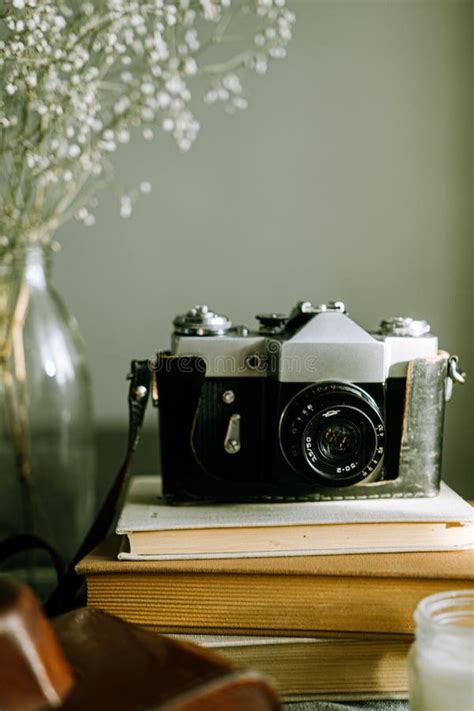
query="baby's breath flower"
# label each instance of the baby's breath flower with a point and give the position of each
(77, 78)
(125, 206)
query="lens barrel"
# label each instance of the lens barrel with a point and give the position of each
(334, 433)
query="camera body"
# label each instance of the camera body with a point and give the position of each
(308, 407)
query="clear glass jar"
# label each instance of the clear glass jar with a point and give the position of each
(47, 479)
(441, 660)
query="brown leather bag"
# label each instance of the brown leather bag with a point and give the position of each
(87, 659)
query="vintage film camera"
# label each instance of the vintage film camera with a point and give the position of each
(308, 407)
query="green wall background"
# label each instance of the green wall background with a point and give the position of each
(350, 177)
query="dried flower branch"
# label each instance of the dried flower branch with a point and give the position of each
(77, 78)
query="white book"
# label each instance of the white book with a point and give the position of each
(158, 531)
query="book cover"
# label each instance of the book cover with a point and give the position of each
(157, 531)
(299, 596)
(439, 565)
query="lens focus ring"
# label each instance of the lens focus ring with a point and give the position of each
(333, 432)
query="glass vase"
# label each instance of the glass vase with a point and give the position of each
(47, 479)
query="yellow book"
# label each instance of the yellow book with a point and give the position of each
(332, 667)
(299, 595)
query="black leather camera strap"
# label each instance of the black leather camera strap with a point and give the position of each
(65, 594)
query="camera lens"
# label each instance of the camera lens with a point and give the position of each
(334, 432)
(338, 441)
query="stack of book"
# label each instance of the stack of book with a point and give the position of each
(319, 596)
